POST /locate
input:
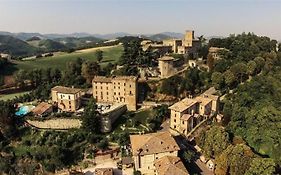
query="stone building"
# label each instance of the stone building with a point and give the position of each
(109, 116)
(119, 89)
(104, 171)
(189, 112)
(188, 45)
(148, 148)
(215, 52)
(67, 99)
(166, 66)
(170, 165)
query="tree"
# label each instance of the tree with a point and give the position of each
(240, 71)
(210, 62)
(261, 166)
(260, 63)
(216, 140)
(229, 78)
(103, 144)
(90, 70)
(217, 80)
(234, 160)
(99, 55)
(91, 118)
(252, 68)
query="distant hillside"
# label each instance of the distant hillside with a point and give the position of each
(158, 37)
(34, 38)
(16, 47)
(73, 42)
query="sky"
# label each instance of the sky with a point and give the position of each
(206, 17)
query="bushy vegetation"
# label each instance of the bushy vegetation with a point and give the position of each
(193, 82)
(251, 67)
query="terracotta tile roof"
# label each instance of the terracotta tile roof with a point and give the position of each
(203, 100)
(104, 79)
(153, 143)
(104, 171)
(41, 108)
(185, 117)
(183, 105)
(166, 58)
(170, 165)
(125, 78)
(66, 90)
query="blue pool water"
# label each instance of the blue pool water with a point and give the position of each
(23, 110)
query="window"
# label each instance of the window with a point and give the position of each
(101, 87)
(69, 102)
(106, 93)
(175, 115)
(106, 88)
(130, 85)
(130, 92)
(119, 93)
(182, 122)
(114, 93)
(175, 126)
(118, 87)
(175, 120)
(124, 84)
(69, 97)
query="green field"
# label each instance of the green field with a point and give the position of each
(110, 55)
(12, 96)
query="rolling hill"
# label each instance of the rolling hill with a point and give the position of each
(16, 47)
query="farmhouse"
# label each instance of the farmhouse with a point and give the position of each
(148, 148)
(67, 99)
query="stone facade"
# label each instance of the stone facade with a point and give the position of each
(166, 66)
(148, 148)
(189, 112)
(67, 99)
(120, 89)
(108, 117)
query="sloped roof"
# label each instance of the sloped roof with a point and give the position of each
(170, 165)
(183, 105)
(66, 90)
(153, 143)
(203, 100)
(104, 171)
(41, 108)
(185, 117)
(166, 58)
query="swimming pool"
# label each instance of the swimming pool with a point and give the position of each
(23, 110)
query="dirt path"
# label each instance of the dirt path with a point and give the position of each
(94, 49)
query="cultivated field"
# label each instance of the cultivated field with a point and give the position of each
(6, 97)
(110, 54)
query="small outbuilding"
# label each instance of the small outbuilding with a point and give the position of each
(42, 109)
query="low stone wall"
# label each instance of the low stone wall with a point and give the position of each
(56, 123)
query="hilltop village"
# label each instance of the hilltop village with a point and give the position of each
(167, 107)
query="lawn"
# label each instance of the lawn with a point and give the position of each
(139, 118)
(6, 97)
(111, 54)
